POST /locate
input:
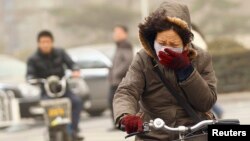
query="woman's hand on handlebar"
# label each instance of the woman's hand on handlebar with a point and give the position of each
(132, 123)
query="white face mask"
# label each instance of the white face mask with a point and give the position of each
(159, 48)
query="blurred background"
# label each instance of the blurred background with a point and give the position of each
(84, 27)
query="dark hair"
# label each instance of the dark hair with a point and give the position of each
(157, 22)
(45, 33)
(123, 27)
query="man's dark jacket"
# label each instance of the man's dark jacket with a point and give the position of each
(42, 66)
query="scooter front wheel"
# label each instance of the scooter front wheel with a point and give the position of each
(60, 133)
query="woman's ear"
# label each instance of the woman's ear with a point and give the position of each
(185, 48)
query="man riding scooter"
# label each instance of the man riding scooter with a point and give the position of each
(48, 61)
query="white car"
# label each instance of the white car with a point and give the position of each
(94, 67)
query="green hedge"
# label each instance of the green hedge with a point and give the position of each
(232, 65)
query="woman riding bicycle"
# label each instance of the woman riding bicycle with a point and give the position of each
(166, 38)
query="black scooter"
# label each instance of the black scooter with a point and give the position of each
(57, 110)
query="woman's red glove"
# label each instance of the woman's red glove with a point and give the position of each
(173, 60)
(132, 124)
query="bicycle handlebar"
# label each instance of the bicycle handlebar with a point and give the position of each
(47, 85)
(36, 81)
(228, 121)
(160, 124)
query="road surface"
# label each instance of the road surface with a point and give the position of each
(235, 105)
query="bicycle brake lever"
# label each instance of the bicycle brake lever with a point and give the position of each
(145, 130)
(135, 133)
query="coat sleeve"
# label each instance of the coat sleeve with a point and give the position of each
(201, 88)
(128, 93)
(31, 70)
(69, 62)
